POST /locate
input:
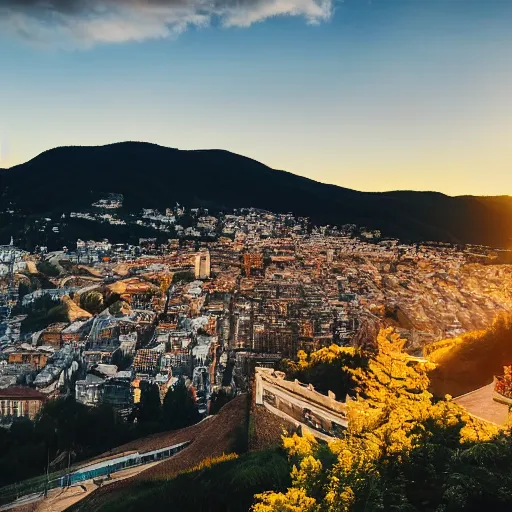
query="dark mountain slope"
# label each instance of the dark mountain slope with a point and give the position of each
(151, 176)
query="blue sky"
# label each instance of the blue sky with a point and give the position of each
(372, 95)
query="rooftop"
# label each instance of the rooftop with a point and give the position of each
(20, 392)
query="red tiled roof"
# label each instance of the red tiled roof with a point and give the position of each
(20, 392)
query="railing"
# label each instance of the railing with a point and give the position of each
(64, 478)
(502, 388)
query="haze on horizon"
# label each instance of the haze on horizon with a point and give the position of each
(366, 94)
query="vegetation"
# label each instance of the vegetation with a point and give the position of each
(24, 289)
(328, 369)
(228, 181)
(225, 484)
(122, 361)
(471, 360)
(47, 268)
(184, 276)
(92, 302)
(41, 313)
(116, 308)
(402, 450)
(64, 425)
(213, 461)
(219, 399)
(179, 409)
(149, 409)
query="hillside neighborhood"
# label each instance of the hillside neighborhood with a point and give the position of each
(229, 296)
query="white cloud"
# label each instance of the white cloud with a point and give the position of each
(88, 22)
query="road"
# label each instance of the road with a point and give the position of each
(480, 404)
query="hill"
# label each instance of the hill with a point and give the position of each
(198, 475)
(471, 360)
(150, 176)
(225, 484)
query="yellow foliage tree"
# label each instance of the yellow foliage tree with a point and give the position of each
(386, 421)
(295, 500)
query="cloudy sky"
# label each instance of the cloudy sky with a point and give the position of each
(367, 94)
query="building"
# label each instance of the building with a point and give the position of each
(202, 265)
(117, 393)
(146, 360)
(89, 391)
(18, 401)
(76, 331)
(36, 359)
(252, 261)
(52, 335)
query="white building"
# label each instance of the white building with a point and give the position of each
(202, 265)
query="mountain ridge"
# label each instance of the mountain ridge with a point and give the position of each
(71, 178)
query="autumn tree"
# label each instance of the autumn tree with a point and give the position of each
(398, 442)
(328, 369)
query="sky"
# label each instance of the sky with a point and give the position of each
(367, 94)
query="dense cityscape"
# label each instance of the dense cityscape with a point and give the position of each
(234, 291)
(255, 256)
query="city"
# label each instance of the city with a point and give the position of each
(252, 286)
(255, 256)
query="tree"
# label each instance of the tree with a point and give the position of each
(183, 277)
(43, 312)
(398, 443)
(92, 302)
(23, 289)
(47, 268)
(121, 360)
(111, 299)
(327, 369)
(179, 408)
(62, 427)
(218, 400)
(116, 308)
(150, 407)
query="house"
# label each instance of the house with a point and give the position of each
(36, 359)
(18, 401)
(52, 335)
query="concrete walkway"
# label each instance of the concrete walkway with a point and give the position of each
(480, 404)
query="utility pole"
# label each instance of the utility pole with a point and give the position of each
(47, 480)
(69, 467)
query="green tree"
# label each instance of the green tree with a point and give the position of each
(23, 289)
(47, 268)
(219, 399)
(328, 369)
(150, 407)
(116, 308)
(92, 302)
(41, 313)
(122, 361)
(183, 277)
(179, 408)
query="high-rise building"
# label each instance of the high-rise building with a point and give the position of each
(252, 260)
(202, 265)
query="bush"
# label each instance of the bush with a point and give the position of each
(47, 268)
(228, 486)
